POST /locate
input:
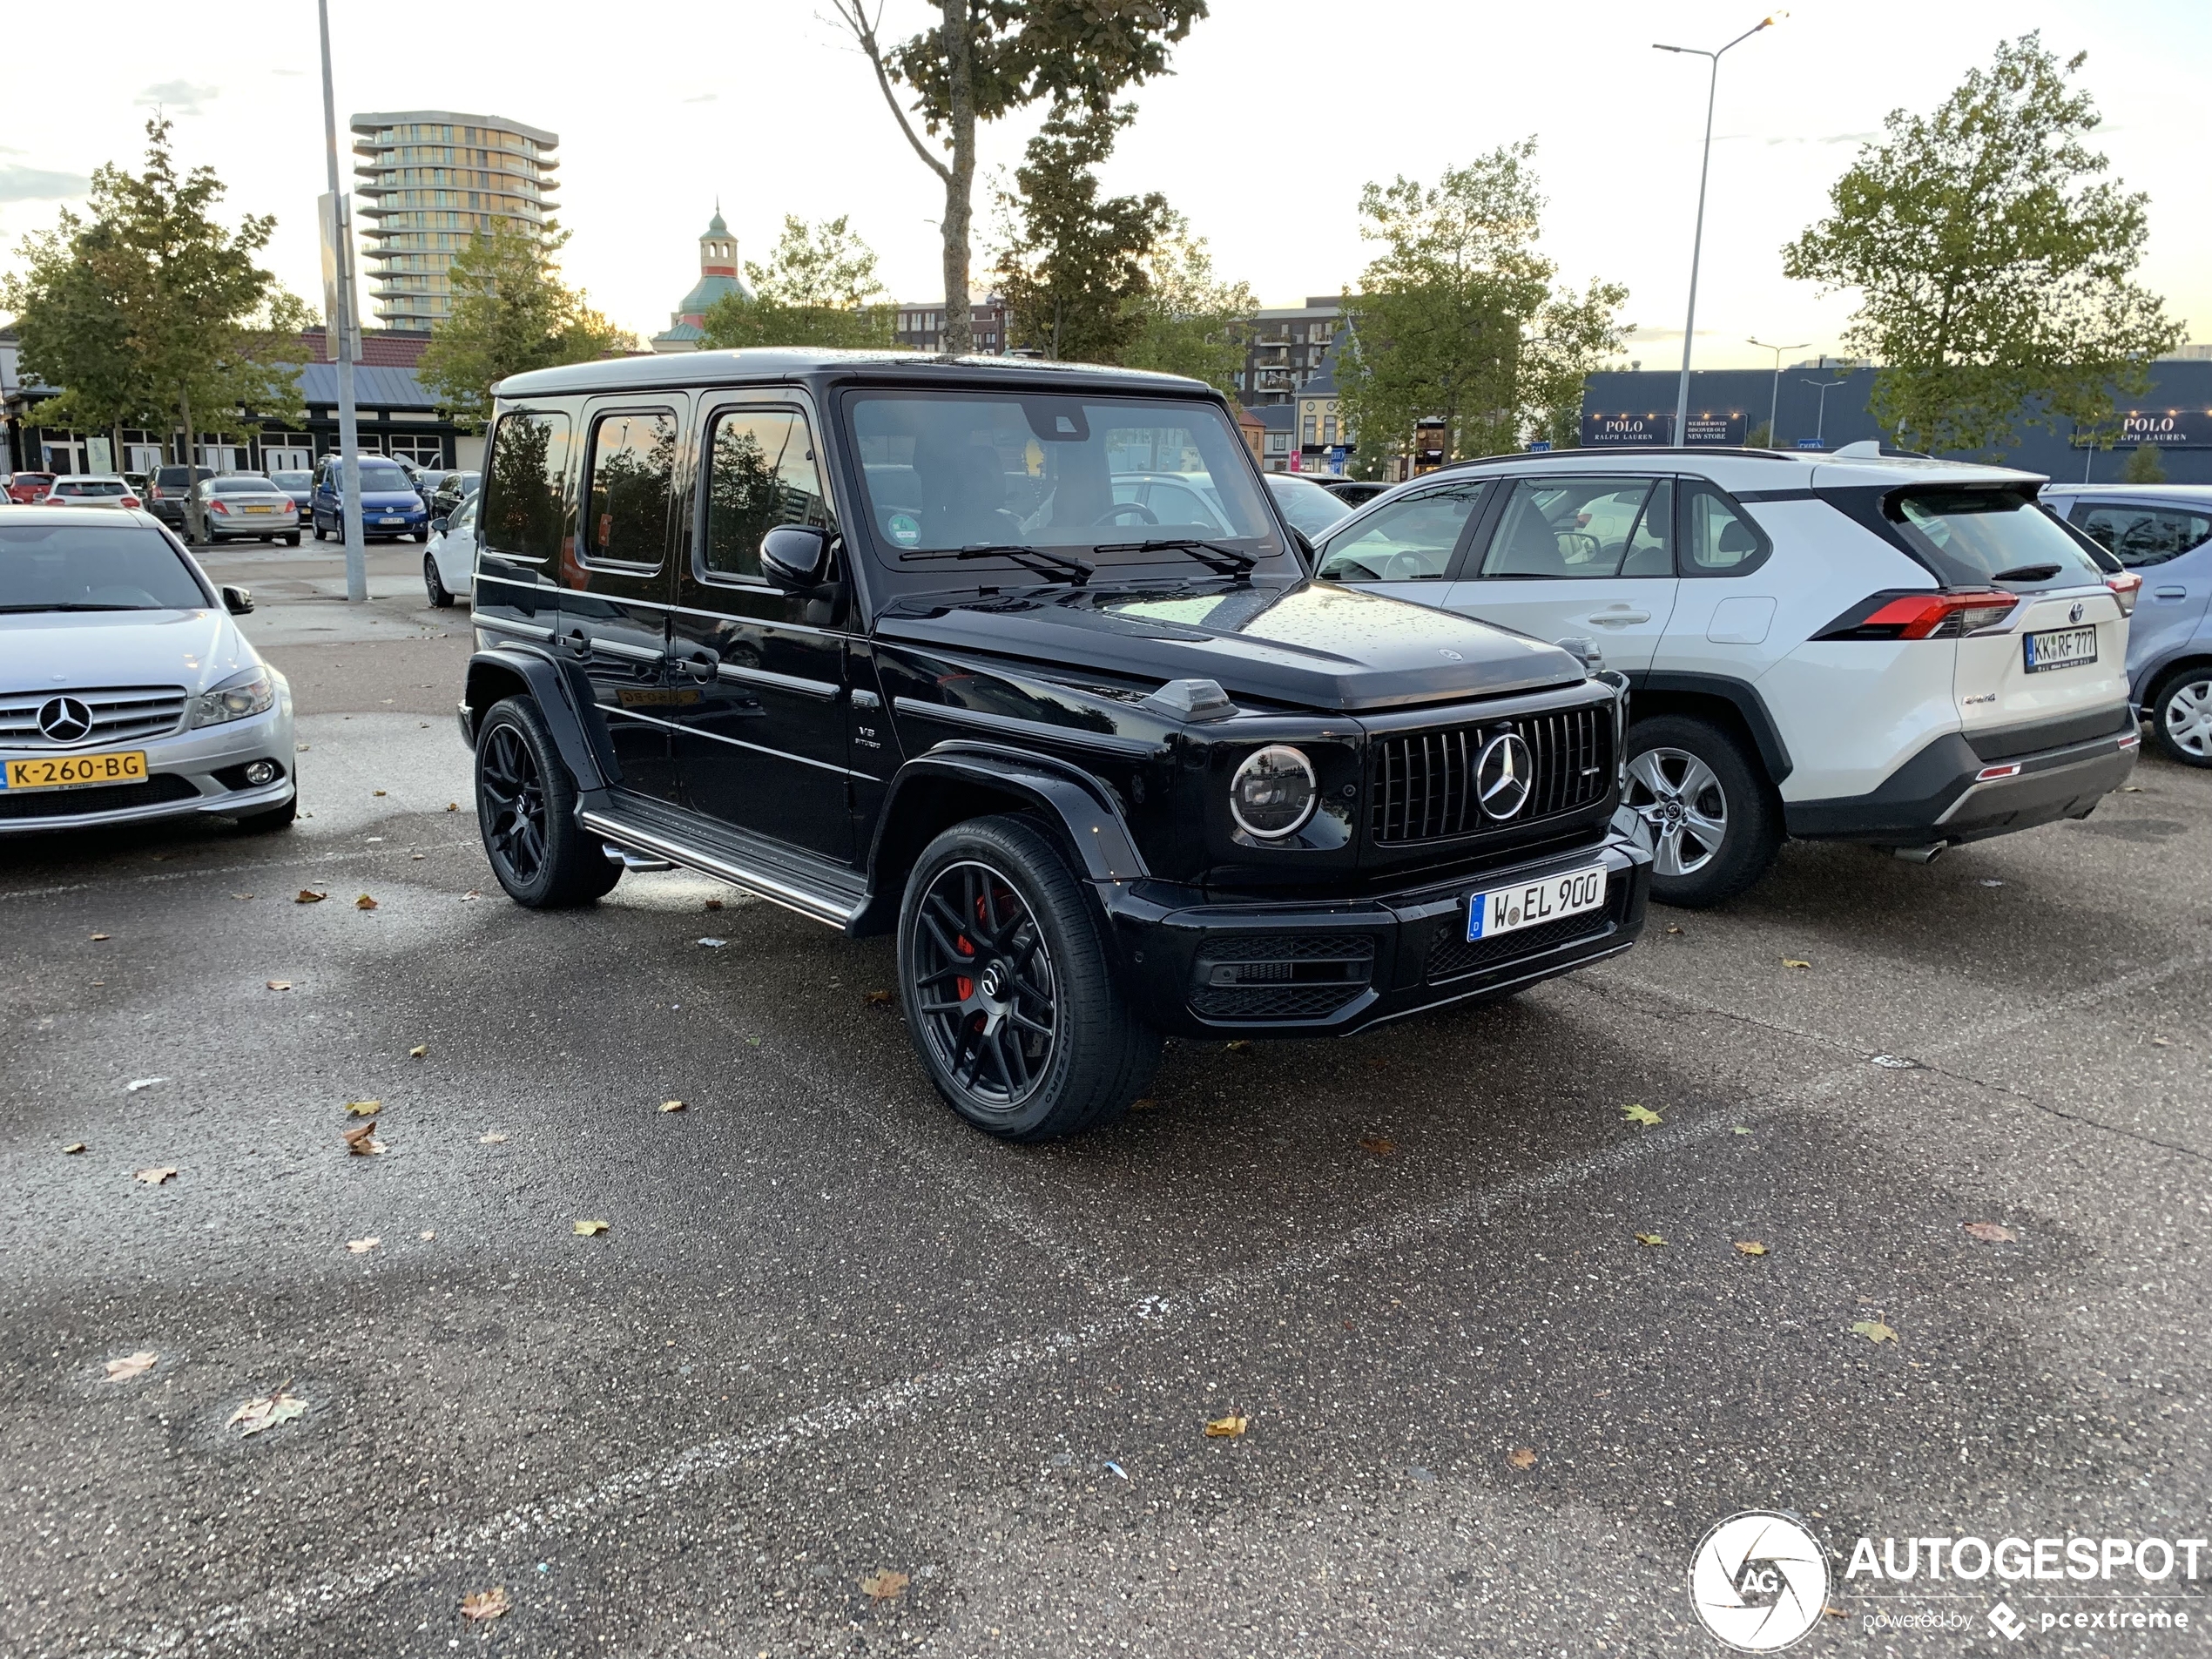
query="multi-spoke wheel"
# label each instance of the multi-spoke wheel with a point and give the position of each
(1713, 820)
(432, 583)
(526, 811)
(2180, 716)
(1012, 1003)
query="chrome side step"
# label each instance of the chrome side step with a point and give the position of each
(816, 906)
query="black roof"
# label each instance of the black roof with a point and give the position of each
(881, 367)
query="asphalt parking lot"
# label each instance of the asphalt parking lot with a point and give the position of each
(841, 1376)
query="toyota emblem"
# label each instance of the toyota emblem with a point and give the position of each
(65, 719)
(2074, 615)
(1503, 774)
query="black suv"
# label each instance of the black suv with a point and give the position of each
(1020, 661)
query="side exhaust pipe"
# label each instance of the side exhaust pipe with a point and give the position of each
(1927, 854)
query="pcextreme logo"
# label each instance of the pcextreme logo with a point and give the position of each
(1759, 1582)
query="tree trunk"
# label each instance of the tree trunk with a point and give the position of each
(958, 38)
(195, 527)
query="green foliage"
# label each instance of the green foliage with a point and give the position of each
(817, 288)
(1192, 321)
(1457, 318)
(511, 312)
(2144, 466)
(1073, 265)
(1760, 437)
(1993, 265)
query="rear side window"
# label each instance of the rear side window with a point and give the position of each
(1971, 538)
(1718, 536)
(1555, 528)
(760, 472)
(526, 508)
(1410, 540)
(2140, 536)
(632, 480)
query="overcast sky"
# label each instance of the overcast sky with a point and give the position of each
(1278, 111)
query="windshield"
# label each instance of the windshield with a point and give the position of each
(382, 476)
(1310, 507)
(1973, 537)
(112, 567)
(945, 471)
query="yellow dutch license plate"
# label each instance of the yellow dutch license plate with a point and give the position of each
(67, 771)
(260, 510)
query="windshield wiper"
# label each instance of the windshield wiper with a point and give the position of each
(1222, 561)
(2027, 573)
(1042, 560)
(18, 609)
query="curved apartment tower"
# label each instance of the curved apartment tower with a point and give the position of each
(429, 179)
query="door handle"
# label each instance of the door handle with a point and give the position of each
(578, 642)
(1619, 616)
(699, 668)
(2169, 593)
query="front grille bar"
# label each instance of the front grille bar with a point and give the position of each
(1423, 785)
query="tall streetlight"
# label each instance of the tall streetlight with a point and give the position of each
(1820, 421)
(346, 326)
(1697, 242)
(1773, 403)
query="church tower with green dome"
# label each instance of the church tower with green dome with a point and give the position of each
(718, 276)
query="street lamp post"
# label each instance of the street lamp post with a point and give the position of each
(1774, 402)
(1820, 422)
(346, 325)
(1697, 240)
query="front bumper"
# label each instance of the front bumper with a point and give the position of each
(1355, 963)
(191, 774)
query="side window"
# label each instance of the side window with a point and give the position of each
(1717, 538)
(1408, 541)
(2140, 536)
(1651, 545)
(631, 481)
(525, 493)
(760, 472)
(1568, 527)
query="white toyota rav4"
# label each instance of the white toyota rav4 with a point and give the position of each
(1849, 647)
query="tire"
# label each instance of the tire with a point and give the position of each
(276, 818)
(435, 584)
(2180, 715)
(318, 529)
(1063, 1051)
(293, 540)
(1710, 809)
(526, 814)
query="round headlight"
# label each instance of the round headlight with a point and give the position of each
(1274, 792)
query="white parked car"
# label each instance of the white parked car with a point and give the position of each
(126, 690)
(247, 507)
(1849, 647)
(450, 561)
(90, 489)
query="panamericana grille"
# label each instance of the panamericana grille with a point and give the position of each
(120, 714)
(1422, 787)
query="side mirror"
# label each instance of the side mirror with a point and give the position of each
(238, 601)
(794, 556)
(439, 525)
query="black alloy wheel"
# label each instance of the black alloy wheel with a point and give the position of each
(432, 583)
(526, 811)
(983, 984)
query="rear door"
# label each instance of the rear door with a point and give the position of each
(1580, 556)
(2170, 548)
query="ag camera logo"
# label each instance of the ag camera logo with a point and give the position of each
(1759, 1581)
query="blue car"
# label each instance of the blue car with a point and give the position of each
(390, 508)
(2164, 533)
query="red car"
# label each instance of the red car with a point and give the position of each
(30, 487)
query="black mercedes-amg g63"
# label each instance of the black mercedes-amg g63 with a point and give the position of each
(1020, 660)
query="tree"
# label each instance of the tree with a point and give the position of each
(817, 288)
(1072, 266)
(1994, 264)
(986, 58)
(1192, 322)
(150, 306)
(1457, 319)
(2144, 466)
(511, 312)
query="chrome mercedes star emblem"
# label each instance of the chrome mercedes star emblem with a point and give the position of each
(1449, 655)
(65, 719)
(1503, 773)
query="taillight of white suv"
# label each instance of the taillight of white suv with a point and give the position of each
(1944, 614)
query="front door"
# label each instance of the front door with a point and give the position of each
(2170, 548)
(759, 672)
(1409, 548)
(1578, 556)
(619, 582)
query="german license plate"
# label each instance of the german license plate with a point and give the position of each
(395, 521)
(69, 772)
(1506, 910)
(2061, 648)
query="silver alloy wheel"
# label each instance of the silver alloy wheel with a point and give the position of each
(2188, 717)
(1677, 794)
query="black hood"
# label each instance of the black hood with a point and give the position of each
(1310, 644)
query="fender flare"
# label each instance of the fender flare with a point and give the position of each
(558, 699)
(2146, 679)
(1740, 695)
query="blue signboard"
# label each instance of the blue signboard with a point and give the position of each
(2163, 428)
(1538, 446)
(1725, 428)
(1808, 443)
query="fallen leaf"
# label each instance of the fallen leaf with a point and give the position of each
(1522, 1457)
(714, 944)
(1873, 1330)
(418, 1051)
(885, 1585)
(1674, 930)
(73, 1147)
(1381, 1147)
(1227, 1428)
(137, 1083)
(363, 1108)
(241, 895)
(278, 1407)
(1652, 1239)
(877, 999)
(586, 1228)
(364, 903)
(418, 857)
(673, 1106)
(280, 984)
(1641, 1114)
(132, 1365)
(1739, 1129)
(2161, 1042)
(427, 1234)
(156, 1175)
(1792, 962)
(308, 895)
(1242, 1045)
(363, 1246)
(379, 792)
(492, 1139)
(486, 1605)
(752, 1043)
(101, 936)
(1991, 1232)
(362, 1142)
(453, 806)
(2131, 789)
(1751, 1247)
(1148, 1105)
(711, 904)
